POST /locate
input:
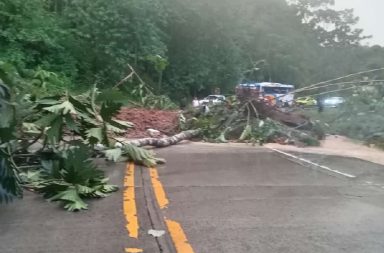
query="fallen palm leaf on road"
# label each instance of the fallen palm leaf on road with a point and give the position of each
(69, 179)
(132, 150)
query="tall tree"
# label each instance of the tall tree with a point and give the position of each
(30, 36)
(111, 34)
(334, 28)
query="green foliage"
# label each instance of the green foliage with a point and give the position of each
(139, 155)
(181, 49)
(30, 36)
(158, 102)
(359, 118)
(7, 109)
(309, 141)
(243, 123)
(178, 49)
(265, 131)
(107, 36)
(60, 169)
(376, 140)
(80, 115)
(69, 179)
(9, 184)
(247, 133)
(332, 27)
(210, 126)
(318, 130)
(132, 153)
(34, 83)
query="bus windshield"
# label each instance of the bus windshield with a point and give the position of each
(276, 90)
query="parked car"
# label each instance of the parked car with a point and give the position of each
(212, 99)
(333, 101)
(306, 101)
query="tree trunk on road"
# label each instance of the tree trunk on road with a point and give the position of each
(165, 142)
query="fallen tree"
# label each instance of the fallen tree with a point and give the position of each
(132, 150)
(254, 121)
(46, 145)
(164, 142)
(288, 118)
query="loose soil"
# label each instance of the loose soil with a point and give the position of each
(164, 121)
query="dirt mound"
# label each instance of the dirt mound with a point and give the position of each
(164, 121)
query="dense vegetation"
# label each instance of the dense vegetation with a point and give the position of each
(53, 53)
(47, 141)
(183, 48)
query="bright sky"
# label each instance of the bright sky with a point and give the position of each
(371, 17)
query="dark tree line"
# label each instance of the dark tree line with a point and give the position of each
(184, 48)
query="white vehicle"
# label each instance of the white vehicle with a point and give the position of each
(212, 99)
(281, 94)
(333, 101)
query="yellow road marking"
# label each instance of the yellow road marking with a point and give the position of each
(175, 230)
(133, 250)
(158, 188)
(178, 237)
(129, 204)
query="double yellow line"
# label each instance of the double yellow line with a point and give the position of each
(130, 211)
(129, 203)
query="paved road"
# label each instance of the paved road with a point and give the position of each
(212, 199)
(245, 200)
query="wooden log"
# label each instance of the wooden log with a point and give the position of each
(291, 119)
(165, 142)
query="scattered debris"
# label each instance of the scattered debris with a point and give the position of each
(254, 121)
(156, 233)
(289, 118)
(153, 132)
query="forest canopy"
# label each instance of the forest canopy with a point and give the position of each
(184, 48)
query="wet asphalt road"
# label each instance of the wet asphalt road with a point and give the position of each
(227, 199)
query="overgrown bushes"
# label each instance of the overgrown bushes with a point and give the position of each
(361, 117)
(46, 142)
(182, 48)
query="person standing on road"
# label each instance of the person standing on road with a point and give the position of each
(319, 103)
(195, 102)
